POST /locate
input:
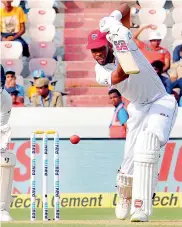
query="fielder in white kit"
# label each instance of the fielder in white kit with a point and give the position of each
(7, 159)
(152, 113)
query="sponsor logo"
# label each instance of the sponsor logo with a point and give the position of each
(56, 173)
(46, 168)
(121, 45)
(165, 115)
(43, 62)
(42, 12)
(42, 28)
(138, 203)
(94, 36)
(93, 200)
(9, 62)
(8, 45)
(152, 11)
(33, 167)
(33, 146)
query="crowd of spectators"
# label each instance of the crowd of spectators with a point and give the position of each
(168, 68)
(13, 27)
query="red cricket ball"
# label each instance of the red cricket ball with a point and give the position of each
(74, 139)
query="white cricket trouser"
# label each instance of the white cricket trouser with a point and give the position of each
(157, 117)
(5, 112)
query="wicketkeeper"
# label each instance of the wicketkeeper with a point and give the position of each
(7, 159)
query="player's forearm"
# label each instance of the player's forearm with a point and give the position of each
(118, 75)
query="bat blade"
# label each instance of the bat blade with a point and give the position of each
(125, 57)
(127, 62)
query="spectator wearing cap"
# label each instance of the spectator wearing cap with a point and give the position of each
(44, 96)
(16, 101)
(152, 49)
(32, 89)
(11, 83)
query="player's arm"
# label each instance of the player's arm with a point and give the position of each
(118, 75)
(108, 78)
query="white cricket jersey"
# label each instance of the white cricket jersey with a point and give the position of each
(5, 105)
(142, 88)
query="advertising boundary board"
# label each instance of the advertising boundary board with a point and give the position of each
(94, 200)
(83, 156)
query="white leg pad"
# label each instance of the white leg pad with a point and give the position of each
(124, 190)
(145, 168)
(7, 164)
(124, 185)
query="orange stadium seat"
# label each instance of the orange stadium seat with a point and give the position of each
(41, 16)
(177, 15)
(40, 3)
(42, 32)
(15, 65)
(10, 50)
(42, 49)
(177, 3)
(152, 16)
(48, 65)
(159, 28)
(177, 31)
(151, 4)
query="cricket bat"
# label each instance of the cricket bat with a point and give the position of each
(123, 52)
(125, 58)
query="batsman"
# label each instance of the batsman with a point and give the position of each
(152, 112)
(7, 159)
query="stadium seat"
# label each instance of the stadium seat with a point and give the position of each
(10, 50)
(16, 3)
(15, 65)
(40, 3)
(177, 3)
(42, 33)
(48, 65)
(160, 28)
(177, 31)
(177, 15)
(42, 49)
(152, 16)
(41, 16)
(19, 80)
(151, 4)
(176, 43)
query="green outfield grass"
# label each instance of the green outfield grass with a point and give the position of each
(94, 218)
